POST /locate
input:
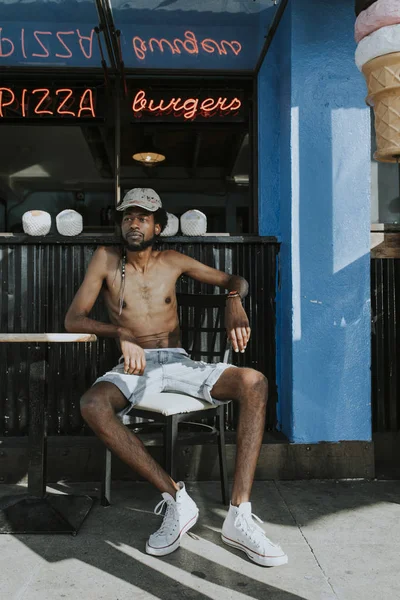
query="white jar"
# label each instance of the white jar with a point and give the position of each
(69, 222)
(172, 226)
(36, 222)
(193, 222)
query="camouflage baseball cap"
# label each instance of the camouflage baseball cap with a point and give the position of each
(144, 197)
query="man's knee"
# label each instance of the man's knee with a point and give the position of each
(94, 407)
(254, 383)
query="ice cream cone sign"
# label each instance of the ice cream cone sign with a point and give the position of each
(377, 32)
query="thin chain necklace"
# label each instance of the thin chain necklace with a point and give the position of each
(122, 287)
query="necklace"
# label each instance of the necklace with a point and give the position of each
(122, 288)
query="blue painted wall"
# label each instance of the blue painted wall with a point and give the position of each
(322, 155)
(274, 103)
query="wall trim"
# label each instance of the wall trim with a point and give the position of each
(80, 459)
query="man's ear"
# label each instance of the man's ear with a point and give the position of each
(157, 229)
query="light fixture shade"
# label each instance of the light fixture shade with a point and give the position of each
(36, 222)
(148, 159)
(148, 154)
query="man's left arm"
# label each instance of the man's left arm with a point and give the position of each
(236, 321)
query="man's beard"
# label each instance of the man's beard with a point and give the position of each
(140, 246)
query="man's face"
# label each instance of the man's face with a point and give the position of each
(138, 229)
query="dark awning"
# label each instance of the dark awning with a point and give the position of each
(193, 34)
(46, 33)
(226, 35)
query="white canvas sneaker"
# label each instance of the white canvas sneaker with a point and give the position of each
(240, 531)
(180, 516)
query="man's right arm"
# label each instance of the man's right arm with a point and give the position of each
(76, 319)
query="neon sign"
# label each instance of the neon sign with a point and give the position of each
(185, 106)
(188, 45)
(158, 105)
(69, 44)
(46, 44)
(45, 102)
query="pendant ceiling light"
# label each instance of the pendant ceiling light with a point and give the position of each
(148, 155)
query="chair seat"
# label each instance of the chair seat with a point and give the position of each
(168, 403)
(204, 336)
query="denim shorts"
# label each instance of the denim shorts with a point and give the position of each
(167, 370)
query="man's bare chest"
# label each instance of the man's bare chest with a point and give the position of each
(147, 291)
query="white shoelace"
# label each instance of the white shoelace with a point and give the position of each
(251, 530)
(169, 517)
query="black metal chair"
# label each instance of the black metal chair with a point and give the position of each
(204, 338)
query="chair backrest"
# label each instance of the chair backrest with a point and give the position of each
(202, 320)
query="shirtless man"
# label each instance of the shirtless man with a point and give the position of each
(139, 290)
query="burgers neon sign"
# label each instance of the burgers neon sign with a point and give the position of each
(188, 107)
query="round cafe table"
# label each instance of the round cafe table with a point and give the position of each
(38, 511)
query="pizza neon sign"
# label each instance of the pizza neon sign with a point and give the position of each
(47, 44)
(46, 102)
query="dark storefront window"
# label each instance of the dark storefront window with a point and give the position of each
(204, 137)
(202, 53)
(59, 140)
(54, 152)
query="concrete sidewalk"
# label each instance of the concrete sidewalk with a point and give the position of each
(342, 539)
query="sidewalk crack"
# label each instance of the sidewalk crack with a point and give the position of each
(327, 579)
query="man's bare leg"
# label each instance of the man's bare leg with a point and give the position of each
(250, 389)
(239, 530)
(98, 407)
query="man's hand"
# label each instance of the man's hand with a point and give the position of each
(237, 324)
(134, 357)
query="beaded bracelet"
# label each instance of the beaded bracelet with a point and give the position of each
(233, 294)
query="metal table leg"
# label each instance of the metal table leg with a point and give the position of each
(37, 511)
(37, 423)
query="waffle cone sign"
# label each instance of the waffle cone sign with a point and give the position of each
(382, 75)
